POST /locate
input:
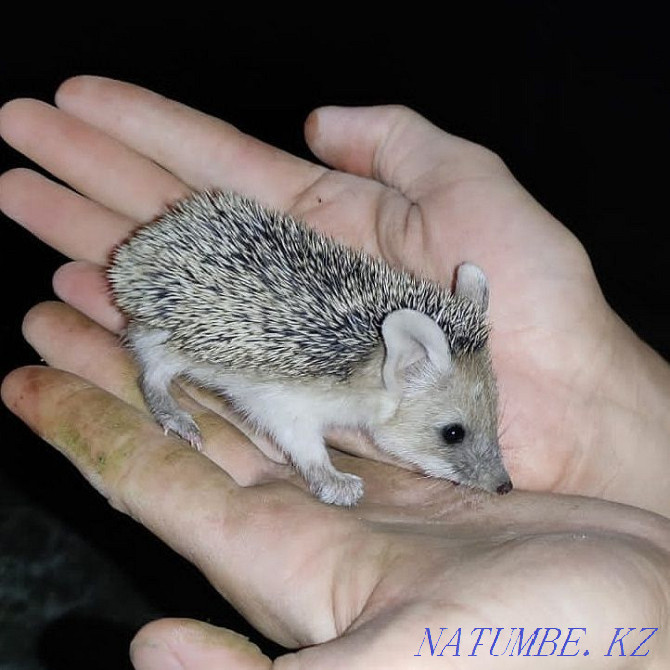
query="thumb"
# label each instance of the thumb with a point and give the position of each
(185, 644)
(395, 146)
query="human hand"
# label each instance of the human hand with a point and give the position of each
(416, 531)
(572, 422)
(352, 588)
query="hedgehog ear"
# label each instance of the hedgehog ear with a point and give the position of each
(411, 337)
(471, 283)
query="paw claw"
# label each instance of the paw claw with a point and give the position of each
(183, 426)
(338, 488)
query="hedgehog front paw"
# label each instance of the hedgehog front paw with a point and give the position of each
(182, 424)
(337, 488)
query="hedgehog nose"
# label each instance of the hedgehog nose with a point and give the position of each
(504, 488)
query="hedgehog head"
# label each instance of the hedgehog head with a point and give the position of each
(446, 416)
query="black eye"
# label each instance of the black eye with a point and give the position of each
(453, 433)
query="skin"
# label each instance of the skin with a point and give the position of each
(585, 543)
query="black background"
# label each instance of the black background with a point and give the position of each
(575, 99)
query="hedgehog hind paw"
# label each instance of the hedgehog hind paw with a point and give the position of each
(338, 488)
(183, 426)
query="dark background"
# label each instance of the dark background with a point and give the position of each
(575, 100)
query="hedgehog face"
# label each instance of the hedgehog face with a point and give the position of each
(446, 421)
(463, 412)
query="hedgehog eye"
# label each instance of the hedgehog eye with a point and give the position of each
(454, 433)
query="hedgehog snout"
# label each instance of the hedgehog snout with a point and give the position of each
(494, 478)
(504, 488)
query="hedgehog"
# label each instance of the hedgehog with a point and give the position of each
(303, 334)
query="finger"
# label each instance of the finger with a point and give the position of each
(396, 146)
(87, 159)
(185, 644)
(202, 150)
(113, 444)
(83, 286)
(66, 339)
(70, 223)
(115, 163)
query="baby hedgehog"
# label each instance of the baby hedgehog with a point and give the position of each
(304, 334)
